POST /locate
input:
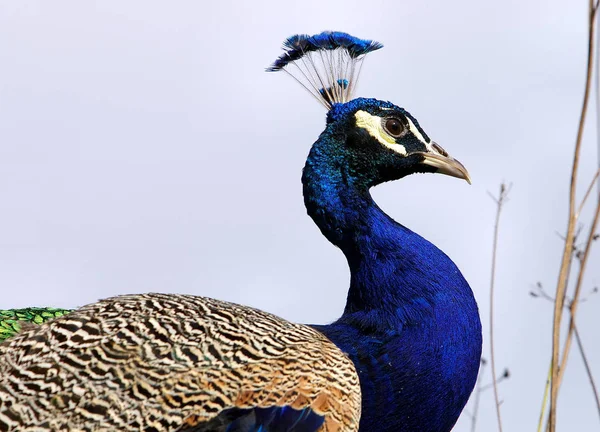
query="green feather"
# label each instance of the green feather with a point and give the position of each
(12, 320)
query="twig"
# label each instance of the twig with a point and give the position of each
(587, 369)
(575, 301)
(543, 295)
(598, 103)
(498, 380)
(545, 400)
(499, 202)
(477, 396)
(561, 287)
(589, 189)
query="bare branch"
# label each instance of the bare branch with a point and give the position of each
(587, 193)
(561, 287)
(545, 400)
(543, 295)
(505, 375)
(598, 102)
(477, 396)
(577, 293)
(499, 202)
(587, 369)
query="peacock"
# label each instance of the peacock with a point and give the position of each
(404, 355)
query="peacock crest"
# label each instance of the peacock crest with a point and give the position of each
(327, 64)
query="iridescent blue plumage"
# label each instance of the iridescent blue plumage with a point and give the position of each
(274, 419)
(299, 45)
(411, 324)
(326, 64)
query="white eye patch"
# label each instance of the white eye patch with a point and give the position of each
(373, 125)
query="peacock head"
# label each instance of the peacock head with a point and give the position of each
(376, 140)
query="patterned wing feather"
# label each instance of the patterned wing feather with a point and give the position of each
(158, 362)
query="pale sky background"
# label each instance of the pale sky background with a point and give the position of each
(144, 148)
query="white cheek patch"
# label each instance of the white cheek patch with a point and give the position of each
(372, 124)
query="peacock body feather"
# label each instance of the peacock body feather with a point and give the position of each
(173, 362)
(403, 356)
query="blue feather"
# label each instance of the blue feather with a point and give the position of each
(332, 77)
(343, 83)
(272, 419)
(411, 324)
(297, 46)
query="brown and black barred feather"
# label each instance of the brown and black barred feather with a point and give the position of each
(158, 362)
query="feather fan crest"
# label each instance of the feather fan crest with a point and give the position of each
(327, 64)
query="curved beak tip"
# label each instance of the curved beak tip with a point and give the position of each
(446, 165)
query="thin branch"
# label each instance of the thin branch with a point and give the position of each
(542, 293)
(575, 301)
(597, 106)
(561, 287)
(498, 380)
(588, 369)
(477, 397)
(545, 400)
(587, 193)
(499, 202)
(545, 296)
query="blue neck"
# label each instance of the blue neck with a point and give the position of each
(411, 324)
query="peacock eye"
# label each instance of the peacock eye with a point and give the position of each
(394, 126)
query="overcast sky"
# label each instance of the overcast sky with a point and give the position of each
(144, 148)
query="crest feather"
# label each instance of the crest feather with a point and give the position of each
(327, 64)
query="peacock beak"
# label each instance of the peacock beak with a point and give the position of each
(444, 163)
